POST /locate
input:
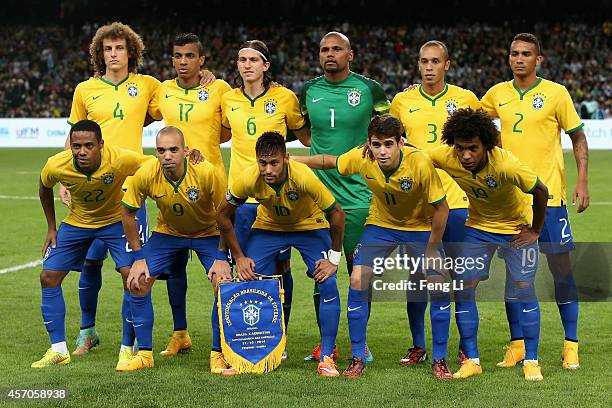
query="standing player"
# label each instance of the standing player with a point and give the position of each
(187, 196)
(119, 100)
(94, 175)
(249, 110)
(408, 208)
(423, 110)
(339, 106)
(196, 110)
(500, 217)
(532, 112)
(291, 214)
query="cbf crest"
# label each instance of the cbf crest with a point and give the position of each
(405, 183)
(451, 106)
(250, 313)
(490, 180)
(293, 195)
(193, 193)
(108, 178)
(270, 106)
(538, 101)
(132, 90)
(203, 95)
(354, 97)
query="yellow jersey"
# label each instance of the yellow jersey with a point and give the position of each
(120, 109)
(401, 198)
(96, 196)
(298, 204)
(423, 118)
(276, 109)
(531, 123)
(197, 112)
(187, 208)
(497, 197)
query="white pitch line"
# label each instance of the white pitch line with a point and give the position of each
(8, 197)
(20, 267)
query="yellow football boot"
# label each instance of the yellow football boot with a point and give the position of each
(51, 358)
(179, 342)
(142, 359)
(570, 355)
(532, 371)
(515, 353)
(468, 369)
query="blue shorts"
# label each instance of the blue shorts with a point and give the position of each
(243, 221)
(264, 247)
(379, 242)
(72, 244)
(97, 250)
(454, 233)
(479, 248)
(556, 236)
(163, 252)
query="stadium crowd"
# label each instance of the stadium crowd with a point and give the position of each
(39, 67)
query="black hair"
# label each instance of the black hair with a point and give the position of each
(385, 125)
(469, 123)
(270, 143)
(86, 126)
(188, 38)
(530, 38)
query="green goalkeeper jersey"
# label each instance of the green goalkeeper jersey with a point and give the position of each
(339, 114)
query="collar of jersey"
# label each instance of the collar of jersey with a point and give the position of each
(390, 173)
(77, 168)
(521, 93)
(474, 174)
(178, 183)
(117, 84)
(436, 97)
(257, 97)
(281, 185)
(350, 74)
(186, 89)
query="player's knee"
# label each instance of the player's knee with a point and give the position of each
(328, 286)
(522, 290)
(92, 262)
(50, 279)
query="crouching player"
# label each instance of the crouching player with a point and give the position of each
(94, 175)
(292, 213)
(187, 196)
(408, 207)
(500, 217)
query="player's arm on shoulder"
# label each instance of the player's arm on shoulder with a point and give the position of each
(302, 134)
(45, 193)
(317, 161)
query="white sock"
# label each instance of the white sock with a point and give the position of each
(60, 347)
(128, 348)
(476, 360)
(530, 361)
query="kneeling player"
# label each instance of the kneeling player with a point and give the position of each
(408, 207)
(500, 217)
(94, 180)
(293, 204)
(187, 196)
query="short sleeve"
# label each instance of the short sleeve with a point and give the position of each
(136, 190)
(394, 109)
(224, 106)
(239, 188)
(132, 161)
(430, 180)
(78, 111)
(350, 162)
(47, 176)
(216, 185)
(518, 173)
(317, 191)
(566, 113)
(293, 116)
(380, 102)
(488, 103)
(437, 155)
(473, 102)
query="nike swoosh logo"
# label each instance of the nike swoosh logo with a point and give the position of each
(369, 178)
(169, 96)
(530, 310)
(565, 303)
(461, 311)
(329, 300)
(350, 309)
(444, 307)
(316, 100)
(282, 251)
(414, 110)
(95, 97)
(564, 242)
(505, 103)
(138, 325)
(86, 287)
(524, 272)
(233, 109)
(156, 196)
(128, 320)
(50, 321)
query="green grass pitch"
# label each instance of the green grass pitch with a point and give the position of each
(186, 381)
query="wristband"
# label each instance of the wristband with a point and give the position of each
(334, 257)
(221, 255)
(138, 255)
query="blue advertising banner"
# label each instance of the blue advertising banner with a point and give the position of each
(252, 324)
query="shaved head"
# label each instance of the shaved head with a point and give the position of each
(342, 37)
(435, 43)
(171, 130)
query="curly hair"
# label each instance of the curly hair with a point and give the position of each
(116, 31)
(469, 123)
(261, 47)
